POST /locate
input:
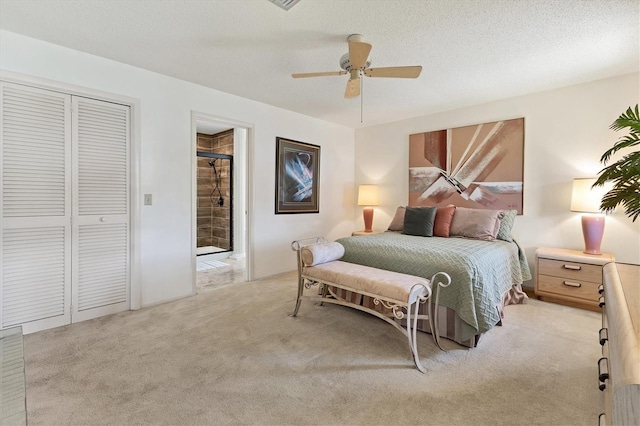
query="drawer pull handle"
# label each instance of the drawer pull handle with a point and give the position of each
(572, 284)
(603, 369)
(601, 289)
(604, 336)
(602, 386)
(572, 267)
(602, 419)
(601, 301)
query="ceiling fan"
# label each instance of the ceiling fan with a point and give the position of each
(356, 63)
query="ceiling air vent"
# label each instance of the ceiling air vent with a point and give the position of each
(285, 4)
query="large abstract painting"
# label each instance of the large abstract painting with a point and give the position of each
(297, 176)
(479, 166)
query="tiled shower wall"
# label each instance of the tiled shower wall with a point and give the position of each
(213, 221)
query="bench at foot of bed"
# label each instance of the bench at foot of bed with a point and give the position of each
(318, 264)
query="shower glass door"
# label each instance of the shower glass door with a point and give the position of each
(214, 203)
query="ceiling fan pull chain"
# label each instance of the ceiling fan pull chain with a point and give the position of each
(361, 95)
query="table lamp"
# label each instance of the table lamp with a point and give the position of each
(585, 199)
(367, 196)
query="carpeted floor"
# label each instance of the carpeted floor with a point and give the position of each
(233, 356)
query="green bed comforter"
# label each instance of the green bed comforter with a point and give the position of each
(481, 271)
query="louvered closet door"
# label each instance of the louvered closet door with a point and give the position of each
(100, 208)
(35, 207)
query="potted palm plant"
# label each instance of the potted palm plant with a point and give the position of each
(624, 174)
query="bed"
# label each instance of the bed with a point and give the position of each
(485, 276)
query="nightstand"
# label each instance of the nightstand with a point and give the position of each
(569, 277)
(355, 233)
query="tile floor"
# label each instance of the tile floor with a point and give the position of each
(222, 276)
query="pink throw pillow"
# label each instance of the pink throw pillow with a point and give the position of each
(476, 223)
(397, 223)
(444, 217)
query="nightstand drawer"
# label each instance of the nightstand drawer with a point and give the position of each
(569, 287)
(571, 270)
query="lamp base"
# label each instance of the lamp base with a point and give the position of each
(592, 231)
(367, 215)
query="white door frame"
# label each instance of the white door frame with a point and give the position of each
(201, 117)
(135, 196)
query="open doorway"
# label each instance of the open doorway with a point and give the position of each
(215, 192)
(219, 202)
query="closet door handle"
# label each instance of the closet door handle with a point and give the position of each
(572, 284)
(603, 369)
(602, 419)
(103, 219)
(604, 336)
(572, 267)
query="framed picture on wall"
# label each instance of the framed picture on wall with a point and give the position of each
(297, 177)
(478, 166)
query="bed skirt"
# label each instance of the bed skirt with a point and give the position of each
(449, 323)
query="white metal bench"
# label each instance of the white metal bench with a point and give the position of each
(318, 264)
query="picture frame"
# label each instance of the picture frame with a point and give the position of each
(297, 177)
(477, 166)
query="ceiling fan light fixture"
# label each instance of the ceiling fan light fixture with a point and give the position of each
(285, 4)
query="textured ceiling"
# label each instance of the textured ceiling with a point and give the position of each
(472, 51)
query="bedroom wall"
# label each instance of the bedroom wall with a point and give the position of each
(566, 132)
(165, 128)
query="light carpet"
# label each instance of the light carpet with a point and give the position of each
(234, 356)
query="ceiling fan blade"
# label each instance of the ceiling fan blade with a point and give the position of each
(358, 53)
(394, 72)
(353, 88)
(318, 74)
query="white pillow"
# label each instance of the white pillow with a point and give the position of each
(316, 254)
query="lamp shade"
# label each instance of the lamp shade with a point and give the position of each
(585, 199)
(368, 195)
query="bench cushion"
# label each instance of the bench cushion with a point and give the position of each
(392, 285)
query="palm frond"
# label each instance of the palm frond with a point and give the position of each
(626, 168)
(630, 119)
(627, 194)
(624, 142)
(624, 173)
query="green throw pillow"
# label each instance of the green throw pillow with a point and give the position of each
(504, 233)
(419, 221)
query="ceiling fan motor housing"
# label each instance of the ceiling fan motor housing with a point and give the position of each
(345, 64)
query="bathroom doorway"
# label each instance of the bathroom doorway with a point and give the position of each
(214, 181)
(219, 202)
